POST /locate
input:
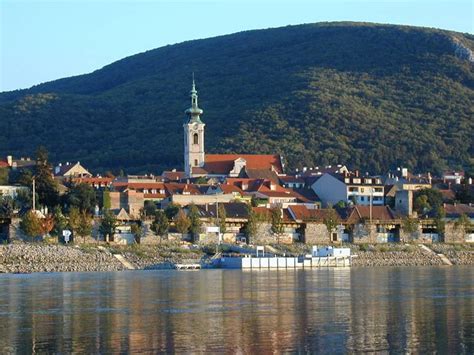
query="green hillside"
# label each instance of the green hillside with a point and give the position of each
(371, 96)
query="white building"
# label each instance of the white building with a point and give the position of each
(332, 188)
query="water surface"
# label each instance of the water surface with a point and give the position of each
(327, 310)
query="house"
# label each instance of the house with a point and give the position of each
(19, 164)
(97, 182)
(70, 170)
(243, 165)
(173, 176)
(453, 177)
(12, 190)
(268, 190)
(404, 180)
(185, 194)
(332, 188)
(128, 200)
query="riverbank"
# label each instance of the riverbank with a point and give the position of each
(30, 257)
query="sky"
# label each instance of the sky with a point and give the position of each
(44, 40)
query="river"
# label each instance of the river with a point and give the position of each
(422, 309)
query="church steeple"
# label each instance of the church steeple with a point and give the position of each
(193, 135)
(194, 111)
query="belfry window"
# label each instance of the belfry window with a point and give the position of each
(195, 138)
(195, 162)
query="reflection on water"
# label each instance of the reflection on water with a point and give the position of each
(328, 310)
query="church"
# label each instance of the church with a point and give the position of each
(197, 163)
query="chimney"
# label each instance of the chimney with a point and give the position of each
(469, 181)
(404, 172)
(356, 173)
(429, 178)
(9, 160)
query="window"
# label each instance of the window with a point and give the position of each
(334, 237)
(195, 162)
(195, 138)
(361, 189)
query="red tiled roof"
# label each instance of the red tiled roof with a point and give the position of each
(458, 209)
(178, 189)
(382, 213)
(4, 164)
(173, 175)
(94, 180)
(224, 163)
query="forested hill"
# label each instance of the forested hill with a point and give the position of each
(371, 96)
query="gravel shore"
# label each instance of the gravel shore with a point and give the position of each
(27, 258)
(30, 257)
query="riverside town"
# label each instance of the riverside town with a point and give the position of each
(238, 202)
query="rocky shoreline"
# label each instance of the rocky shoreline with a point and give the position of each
(30, 257)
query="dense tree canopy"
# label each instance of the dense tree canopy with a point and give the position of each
(371, 96)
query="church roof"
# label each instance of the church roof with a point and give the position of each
(222, 164)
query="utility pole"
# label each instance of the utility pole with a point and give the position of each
(34, 193)
(370, 204)
(218, 227)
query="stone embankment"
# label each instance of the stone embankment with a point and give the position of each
(27, 258)
(159, 256)
(31, 257)
(411, 255)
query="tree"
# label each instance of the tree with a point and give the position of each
(149, 208)
(83, 197)
(201, 180)
(108, 225)
(427, 201)
(46, 186)
(463, 222)
(160, 225)
(25, 178)
(251, 228)
(74, 220)
(195, 221)
(85, 225)
(277, 220)
(222, 218)
(182, 222)
(106, 202)
(137, 231)
(4, 176)
(7, 205)
(439, 220)
(331, 221)
(60, 221)
(340, 204)
(172, 210)
(23, 198)
(31, 225)
(410, 225)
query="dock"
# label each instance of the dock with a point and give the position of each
(251, 262)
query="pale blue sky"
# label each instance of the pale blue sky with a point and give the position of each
(43, 40)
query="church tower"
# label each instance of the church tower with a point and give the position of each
(193, 135)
